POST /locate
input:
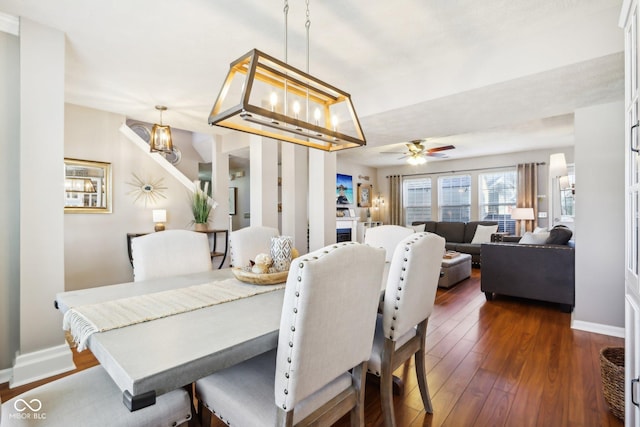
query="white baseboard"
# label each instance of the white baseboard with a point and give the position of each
(598, 328)
(5, 375)
(41, 364)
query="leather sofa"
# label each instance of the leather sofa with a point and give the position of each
(539, 272)
(458, 235)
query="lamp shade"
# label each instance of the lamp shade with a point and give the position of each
(557, 165)
(522, 213)
(159, 215)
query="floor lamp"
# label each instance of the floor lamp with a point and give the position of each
(522, 214)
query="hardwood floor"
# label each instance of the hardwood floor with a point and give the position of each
(502, 363)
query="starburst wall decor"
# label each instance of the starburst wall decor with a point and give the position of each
(149, 191)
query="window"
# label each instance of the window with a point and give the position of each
(417, 199)
(454, 198)
(498, 195)
(568, 194)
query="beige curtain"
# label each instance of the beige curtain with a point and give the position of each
(528, 190)
(395, 200)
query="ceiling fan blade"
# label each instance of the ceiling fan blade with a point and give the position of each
(443, 148)
(436, 154)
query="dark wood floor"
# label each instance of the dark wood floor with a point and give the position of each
(502, 363)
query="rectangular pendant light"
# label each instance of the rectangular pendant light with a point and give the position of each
(264, 96)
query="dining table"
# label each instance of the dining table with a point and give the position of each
(151, 357)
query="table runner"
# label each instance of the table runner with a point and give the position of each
(83, 321)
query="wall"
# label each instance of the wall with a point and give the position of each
(477, 165)
(358, 174)
(599, 159)
(9, 208)
(95, 244)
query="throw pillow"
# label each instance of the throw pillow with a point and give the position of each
(559, 235)
(418, 228)
(540, 230)
(530, 238)
(483, 233)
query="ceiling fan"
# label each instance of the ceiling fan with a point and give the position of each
(417, 153)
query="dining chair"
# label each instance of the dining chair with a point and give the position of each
(387, 237)
(317, 373)
(248, 242)
(170, 253)
(91, 398)
(401, 328)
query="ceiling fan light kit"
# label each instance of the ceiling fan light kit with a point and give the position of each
(417, 153)
(264, 96)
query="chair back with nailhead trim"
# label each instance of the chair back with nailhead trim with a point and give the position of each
(412, 283)
(328, 318)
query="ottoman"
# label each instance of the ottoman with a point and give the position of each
(455, 270)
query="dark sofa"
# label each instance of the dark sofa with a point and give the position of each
(540, 272)
(458, 235)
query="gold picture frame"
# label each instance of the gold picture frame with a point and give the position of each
(364, 195)
(87, 186)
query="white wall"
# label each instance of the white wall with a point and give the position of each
(95, 244)
(599, 159)
(10, 190)
(474, 167)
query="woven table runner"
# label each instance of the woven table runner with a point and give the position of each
(83, 321)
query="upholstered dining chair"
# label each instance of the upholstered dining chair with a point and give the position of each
(326, 330)
(387, 237)
(401, 328)
(248, 242)
(91, 398)
(170, 253)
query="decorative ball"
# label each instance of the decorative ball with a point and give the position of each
(263, 259)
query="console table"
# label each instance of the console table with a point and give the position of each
(212, 232)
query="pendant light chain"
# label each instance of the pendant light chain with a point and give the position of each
(285, 10)
(307, 25)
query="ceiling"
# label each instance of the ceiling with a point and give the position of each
(488, 77)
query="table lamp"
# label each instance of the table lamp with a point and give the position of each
(159, 217)
(522, 214)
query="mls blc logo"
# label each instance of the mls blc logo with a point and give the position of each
(28, 410)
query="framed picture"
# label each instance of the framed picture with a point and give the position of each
(233, 194)
(364, 195)
(344, 189)
(87, 186)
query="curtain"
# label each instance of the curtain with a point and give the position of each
(395, 200)
(528, 190)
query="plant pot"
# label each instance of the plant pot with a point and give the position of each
(201, 226)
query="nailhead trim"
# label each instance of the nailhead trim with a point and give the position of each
(407, 250)
(298, 285)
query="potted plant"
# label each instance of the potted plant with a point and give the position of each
(201, 206)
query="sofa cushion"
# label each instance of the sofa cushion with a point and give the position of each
(530, 238)
(470, 230)
(483, 233)
(451, 231)
(429, 226)
(559, 235)
(417, 228)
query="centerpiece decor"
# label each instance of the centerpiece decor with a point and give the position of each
(281, 252)
(201, 206)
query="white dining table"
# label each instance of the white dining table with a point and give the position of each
(151, 358)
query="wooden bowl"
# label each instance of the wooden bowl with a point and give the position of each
(260, 279)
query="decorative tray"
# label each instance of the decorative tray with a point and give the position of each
(260, 278)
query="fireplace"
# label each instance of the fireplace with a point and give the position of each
(343, 235)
